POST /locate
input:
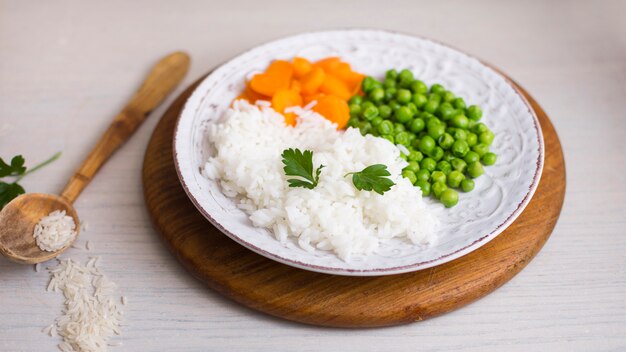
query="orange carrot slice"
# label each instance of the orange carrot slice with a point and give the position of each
(334, 86)
(277, 76)
(301, 66)
(329, 64)
(312, 81)
(334, 109)
(309, 98)
(285, 98)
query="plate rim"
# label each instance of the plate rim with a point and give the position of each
(479, 242)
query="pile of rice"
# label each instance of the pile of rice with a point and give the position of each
(54, 231)
(248, 142)
(90, 316)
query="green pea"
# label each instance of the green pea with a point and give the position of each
(394, 105)
(446, 112)
(376, 121)
(459, 148)
(475, 169)
(426, 116)
(438, 176)
(438, 188)
(403, 96)
(374, 131)
(489, 159)
(486, 137)
(455, 178)
(391, 74)
(424, 186)
(480, 128)
(460, 121)
(403, 156)
(472, 139)
(437, 89)
(368, 84)
(417, 125)
(471, 124)
(370, 113)
(398, 127)
(459, 164)
(460, 135)
(422, 175)
(377, 95)
(412, 137)
(414, 155)
(403, 114)
(385, 128)
(474, 112)
(419, 100)
(428, 164)
(436, 131)
(389, 83)
(367, 104)
(459, 103)
(471, 157)
(481, 149)
(364, 127)
(419, 87)
(412, 107)
(413, 166)
(384, 111)
(389, 138)
(402, 138)
(416, 143)
(436, 153)
(467, 185)
(448, 96)
(431, 106)
(405, 78)
(355, 109)
(432, 122)
(449, 198)
(353, 122)
(427, 144)
(447, 156)
(444, 167)
(356, 99)
(390, 93)
(410, 175)
(446, 141)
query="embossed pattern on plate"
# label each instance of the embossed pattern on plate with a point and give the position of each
(500, 194)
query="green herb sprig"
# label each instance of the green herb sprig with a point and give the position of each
(16, 169)
(300, 164)
(372, 178)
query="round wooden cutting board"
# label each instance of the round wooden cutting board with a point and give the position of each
(342, 301)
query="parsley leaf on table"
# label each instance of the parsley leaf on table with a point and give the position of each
(300, 164)
(10, 190)
(373, 178)
(16, 168)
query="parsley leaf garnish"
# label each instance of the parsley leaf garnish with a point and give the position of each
(373, 177)
(300, 164)
(16, 169)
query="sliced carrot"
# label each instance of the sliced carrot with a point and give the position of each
(252, 96)
(329, 64)
(277, 76)
(301, 66)
(296, 85)
(309, 98)
(312, 81)
(290, 118)
(285, 98)
(334, 109)
(334, 86)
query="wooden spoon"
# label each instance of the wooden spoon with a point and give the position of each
(19, 217)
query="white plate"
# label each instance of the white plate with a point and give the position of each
(500, 194)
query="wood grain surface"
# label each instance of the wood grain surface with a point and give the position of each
(340, 301)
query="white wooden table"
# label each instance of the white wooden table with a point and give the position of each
(66, 67)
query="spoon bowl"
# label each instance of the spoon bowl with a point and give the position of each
(17, 226)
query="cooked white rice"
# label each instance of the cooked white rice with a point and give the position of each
(248, 142)
(54, 231)
(90, 316)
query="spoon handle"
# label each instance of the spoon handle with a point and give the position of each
(161, 81)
